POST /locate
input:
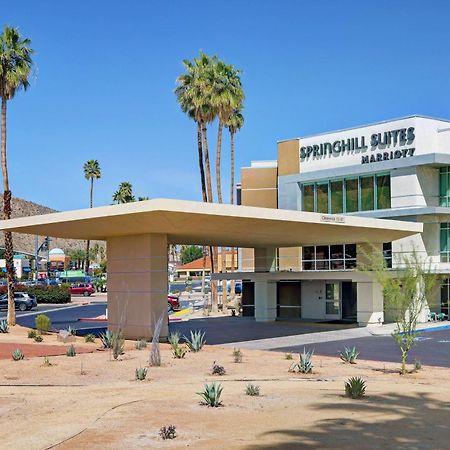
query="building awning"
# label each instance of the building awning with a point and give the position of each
(188, 222)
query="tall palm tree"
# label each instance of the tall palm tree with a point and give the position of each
(234, 123)
(15, 69)
(124, 193)
(92, 172)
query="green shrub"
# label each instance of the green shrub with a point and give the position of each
(218, 369)
(140, 344)
(140, 373)
(178, 351)
(38, 338)
(71, 331)
(174, 339)
(106, 339)
(71, 351)
(252, 390)
(43, 323)
(44, 294)
(4, 328)
(17, 355)
(117, 344)
(89, 338)
(47, 362)
(196, 342)
(211, 395)
(288, 356)
(304, 365)
(237, 355)
(417, 364)
(168, 432)
(349, 355)
(32, 334)
(355, 387)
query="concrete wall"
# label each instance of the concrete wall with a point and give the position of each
(313, 299)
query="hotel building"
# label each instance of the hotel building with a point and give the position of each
(397, 169)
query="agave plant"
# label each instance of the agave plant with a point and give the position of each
(140, 373)
(17, 355)
(107, 339)
(196, 342)
(211, 395)
(349, 355)
(237, 355)
(71, 351)
(304, 364)
(174, 339)
(169, 432)
(117, 344)
(252, 390)
(72, 331)
(140, 344)
(4, 328)
(89, 338)
(355, 387)
(178, 351)
(32, 334)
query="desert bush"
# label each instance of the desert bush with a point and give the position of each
(211, 395)
(32, 334)
(237, 355)
(417, 364)
(89, 338)
(44, 294)
(47, 362)
(117, 344)
(304, 365)
(168, 432)
(355, 387)
(179, 351)
(71, 331)
(71, 351)
(218, 369)
(17, 355)
(288, 356)
(155, 353)
(140, 373)
(252, 390)
(140, 344)
(196, 342)
(38, 338)
(43, 323)
(349, 355)
(4, 328)
(106, 339)
(174, 339)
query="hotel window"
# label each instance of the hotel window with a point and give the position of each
(445, 296)
(329, 257)
(444, 186)
(445, 242)
(387, 253)
(364, 193)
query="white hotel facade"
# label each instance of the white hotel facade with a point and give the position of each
(397, 169)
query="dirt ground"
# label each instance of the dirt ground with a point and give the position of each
(93, 402)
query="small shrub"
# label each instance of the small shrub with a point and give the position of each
(174, 339)
(118, 344)
(179, 351)
(47, 362)
(237, 355)
(106, 339)
(168, 432)
(252, 390)
(43, 323)
(304, 365)
(17, 355)
(38, 338)
(89, 338)
(288, 356)
(71, 331)
(140, 373)
(140, 344)
(196, 342)
(349, 355)
(211, 395)
(4, 328)
(355, 387)
(218, 369)
(32, 334)
(417, 364)
(71, 351)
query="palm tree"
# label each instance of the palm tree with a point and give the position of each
(15, 68)
(92, 172)
(234, 123)
(124, 193)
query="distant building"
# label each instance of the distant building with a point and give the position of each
(22, 265)
(195, 268)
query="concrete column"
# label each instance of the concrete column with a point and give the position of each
(369, 306)
(265, 259)
(265, 301)
(137, 284)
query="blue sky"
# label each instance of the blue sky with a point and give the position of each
(105, 74)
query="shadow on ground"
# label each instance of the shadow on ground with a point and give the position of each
(390, 421)
(223, 330)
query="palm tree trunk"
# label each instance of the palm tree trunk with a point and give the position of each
(200, 161)
(9, 251)
(88, 242)
(232, 283)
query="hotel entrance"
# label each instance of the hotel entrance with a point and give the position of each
(289, 300)
(340, 300)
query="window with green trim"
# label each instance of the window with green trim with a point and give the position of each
(322, 197)
(308, 197)
(337, 197)
(444, 186)
(445, 242)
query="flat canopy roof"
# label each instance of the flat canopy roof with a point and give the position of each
(188, 222)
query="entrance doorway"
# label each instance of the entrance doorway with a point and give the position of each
(289, 300)
(349, 300)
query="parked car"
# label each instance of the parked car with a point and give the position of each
(85, 289)
(173, 303)
(22, 301)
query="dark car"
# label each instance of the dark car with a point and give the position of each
(22, 301)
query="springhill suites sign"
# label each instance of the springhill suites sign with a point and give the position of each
(385, 146)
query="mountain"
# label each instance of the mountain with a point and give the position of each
(26, 242)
